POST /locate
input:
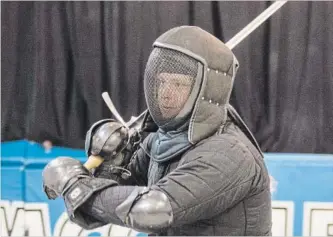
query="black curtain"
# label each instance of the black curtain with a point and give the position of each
(58, 57)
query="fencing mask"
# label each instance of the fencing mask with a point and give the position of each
(169, 82)
(189, 77)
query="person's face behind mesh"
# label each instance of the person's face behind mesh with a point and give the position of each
(173, 92)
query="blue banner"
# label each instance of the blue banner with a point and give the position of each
(301, 184)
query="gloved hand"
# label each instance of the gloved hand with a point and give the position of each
(116, 145)
(115, 167)
(67, 178)
(106, 138)
(60, 174)
(112, 142)
(107, 170)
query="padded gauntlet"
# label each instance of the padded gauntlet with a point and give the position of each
(68, 178)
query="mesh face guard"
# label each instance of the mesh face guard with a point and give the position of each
(168, 82)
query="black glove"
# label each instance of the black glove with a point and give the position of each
(67, 178)
(60, 174)
(112, 141)
(106, 138)
(116, 145)
(110, 170)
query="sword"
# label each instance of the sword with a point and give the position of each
(254, 24)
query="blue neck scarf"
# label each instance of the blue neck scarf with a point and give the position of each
(165, 146)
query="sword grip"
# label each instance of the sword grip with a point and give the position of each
(93, 162)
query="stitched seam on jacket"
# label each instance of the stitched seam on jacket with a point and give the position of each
(218, 191)
(245, 214)
(205, 201)
(218, 150)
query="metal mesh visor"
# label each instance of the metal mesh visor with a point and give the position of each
(168, 82)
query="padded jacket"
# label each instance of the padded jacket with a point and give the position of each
(219, 187)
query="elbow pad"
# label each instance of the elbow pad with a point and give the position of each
(146, 210)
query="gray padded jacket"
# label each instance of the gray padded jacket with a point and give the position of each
(219, 187)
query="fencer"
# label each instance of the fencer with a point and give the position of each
(199, 169)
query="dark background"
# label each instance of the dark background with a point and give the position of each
(58, 57)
